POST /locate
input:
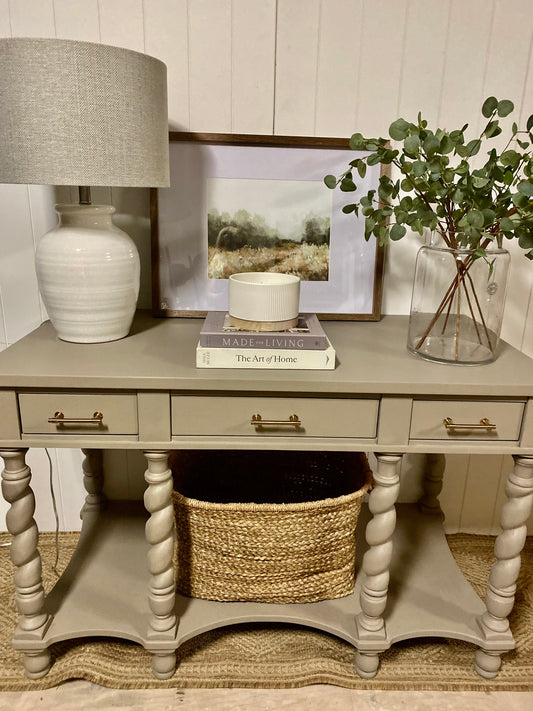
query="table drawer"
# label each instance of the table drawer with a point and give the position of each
(119, 413)
(319, 417)
(472, 420)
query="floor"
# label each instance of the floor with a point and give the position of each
(82, 696)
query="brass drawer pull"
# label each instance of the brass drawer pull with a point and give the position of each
(60, 419)
(293, 421)
(484, 424)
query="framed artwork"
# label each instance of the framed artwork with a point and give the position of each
(241, 203)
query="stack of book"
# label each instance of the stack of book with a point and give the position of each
(304, 347)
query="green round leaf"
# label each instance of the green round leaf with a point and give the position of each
(347, 209)
(475, 218)
(330, 181)
(397, 232)
(357, 142)
(412, 144)
(529, 124)
(505, 107)
(525, 187)
(398, 129)
(489, 106)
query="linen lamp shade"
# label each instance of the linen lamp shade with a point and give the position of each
(84, 114)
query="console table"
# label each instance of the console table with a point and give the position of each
(144, 392)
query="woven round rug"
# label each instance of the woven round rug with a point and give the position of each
(275, 655)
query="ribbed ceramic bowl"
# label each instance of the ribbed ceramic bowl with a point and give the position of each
(264, 299)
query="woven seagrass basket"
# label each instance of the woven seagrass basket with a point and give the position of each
(267, 526)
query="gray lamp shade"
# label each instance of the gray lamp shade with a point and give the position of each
(78, 113)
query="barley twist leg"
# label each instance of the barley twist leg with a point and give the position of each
(93, 481)
(432, 484)
(504, 573)
(29, 592)
(160, 535)
(376, 564)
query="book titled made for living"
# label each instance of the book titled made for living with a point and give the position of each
(217, 332)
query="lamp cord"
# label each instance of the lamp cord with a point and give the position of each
(56, 515)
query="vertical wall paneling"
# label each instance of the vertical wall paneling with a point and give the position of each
(483, 478)
(77, 20)
(453, 491)
(166, 37)
(210, 98)
(382, 48)
(423, 59)
(296, 67)
(20, 295)
(462, 91)
(121, 23)
(253, 41)
(338, 67)
(32, 19)
(70, 487)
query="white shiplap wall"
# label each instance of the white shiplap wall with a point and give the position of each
(307, 67)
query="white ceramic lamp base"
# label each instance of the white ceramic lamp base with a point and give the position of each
(264, 301)
(88, 272)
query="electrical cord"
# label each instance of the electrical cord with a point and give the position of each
(56, 514)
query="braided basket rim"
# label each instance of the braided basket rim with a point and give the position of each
(252, 507)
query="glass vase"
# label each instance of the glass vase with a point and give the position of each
(457, 304)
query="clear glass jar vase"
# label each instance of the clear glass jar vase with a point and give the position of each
(457, 304)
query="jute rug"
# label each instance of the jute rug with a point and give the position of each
(277, 656)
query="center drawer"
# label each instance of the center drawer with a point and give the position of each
(318, 417)
(78, 413)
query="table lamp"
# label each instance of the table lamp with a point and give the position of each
(84, 114)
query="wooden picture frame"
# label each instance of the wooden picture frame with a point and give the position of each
(284, 176)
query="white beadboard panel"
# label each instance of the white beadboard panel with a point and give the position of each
(511, 30)
(133, 216)
(520, 284)
(166, 37)
(136, 465)
(121, 23)
(296, 67)
(382, 48)
(483, 479)
(32, 19)
(116, 480)
(338, 67)
(77, 20)
(462, 92)
(18, 281)
(453, 491)
(423, 59)
(527, 339)
(5, 22)
(210, 97)
(253, 42)
(70, 486)
(3, 336)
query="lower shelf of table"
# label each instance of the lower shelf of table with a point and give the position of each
(103, 591)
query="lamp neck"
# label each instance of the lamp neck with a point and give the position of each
(84, 192)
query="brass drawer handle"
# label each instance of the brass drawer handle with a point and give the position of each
(484, 424)
(60, 419)
(293, 421)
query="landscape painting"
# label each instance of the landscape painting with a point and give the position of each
(268, 226)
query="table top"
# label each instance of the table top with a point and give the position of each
(159, 354)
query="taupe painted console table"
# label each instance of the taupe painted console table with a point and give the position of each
(144, 392)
